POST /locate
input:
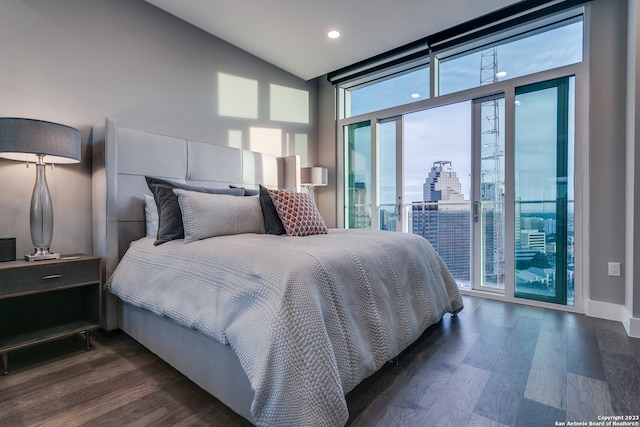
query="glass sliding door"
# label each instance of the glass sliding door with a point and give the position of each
(358, 189)
(389, 185)
(441, 173)
(436, 172)
(489, 188)
(543, 190)
(372, 191)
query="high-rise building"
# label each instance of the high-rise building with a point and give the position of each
(360, 210)
(533, 223)
(442, 183)
(386, 221)
(443, 218)
(550, 226)
(533, 239)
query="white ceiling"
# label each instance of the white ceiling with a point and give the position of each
(293, 34)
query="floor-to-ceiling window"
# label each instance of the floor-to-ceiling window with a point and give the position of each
(358, 183)
(543, 191)
(489, 189)
(437, 182)
(475, 152)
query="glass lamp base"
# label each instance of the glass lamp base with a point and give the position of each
(41, 255)
(41, 217)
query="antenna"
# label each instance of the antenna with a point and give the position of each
(492, 179)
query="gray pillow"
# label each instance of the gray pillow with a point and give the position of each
(150, 215)
(247, 191)
(210, 215)
(272, 221)
(169, 215)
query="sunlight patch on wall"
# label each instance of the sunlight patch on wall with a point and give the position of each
(266, 140)
(301, 148)
(288, 104)
(235, 139)
(237, 97)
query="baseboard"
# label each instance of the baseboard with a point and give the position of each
(632, 325)
(615, 312)
(606, 310)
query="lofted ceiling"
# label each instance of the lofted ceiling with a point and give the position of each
(293, 34)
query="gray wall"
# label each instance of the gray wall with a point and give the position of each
(607, 124)
(632, 267)
(327, 151)
(77, 61)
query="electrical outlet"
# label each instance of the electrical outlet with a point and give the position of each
(614, 269)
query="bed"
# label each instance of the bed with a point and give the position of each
(279, 328)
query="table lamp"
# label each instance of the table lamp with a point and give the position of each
(313, 177)
(39, 142)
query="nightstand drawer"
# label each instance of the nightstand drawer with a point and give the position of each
(36, 278)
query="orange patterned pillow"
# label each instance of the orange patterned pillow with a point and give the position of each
(298, 213)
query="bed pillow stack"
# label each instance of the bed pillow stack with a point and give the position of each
(170, 222)
(182, 211)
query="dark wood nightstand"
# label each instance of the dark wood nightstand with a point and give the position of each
(45, 300)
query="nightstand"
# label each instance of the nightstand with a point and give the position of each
(45, 300)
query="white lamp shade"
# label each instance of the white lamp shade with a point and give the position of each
(24, 139)
(316, 176)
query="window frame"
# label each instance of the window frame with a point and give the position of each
(506, 37)
(504, 88)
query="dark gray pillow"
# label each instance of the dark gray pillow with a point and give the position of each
(169, 215)
(247, 191)
(272, 221)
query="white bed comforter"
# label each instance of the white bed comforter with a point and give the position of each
(309, 317)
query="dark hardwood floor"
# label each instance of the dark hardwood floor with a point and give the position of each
(496, 364)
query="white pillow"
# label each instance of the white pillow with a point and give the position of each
(151, 215)
(209, 215)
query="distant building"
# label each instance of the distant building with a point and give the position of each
(386, 220)
(550, 226)
(443, 218)
(442, 183)
(533, 223)
(360, 214)
(533, 239)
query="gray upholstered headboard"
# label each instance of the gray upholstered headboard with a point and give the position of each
(122, 157)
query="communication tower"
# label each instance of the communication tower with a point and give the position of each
(492, 175)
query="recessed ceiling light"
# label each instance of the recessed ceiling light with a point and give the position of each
(501, 74)
(415, 95)
(333, 34)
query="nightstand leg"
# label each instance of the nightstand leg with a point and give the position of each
(87, 337)
(5, 363)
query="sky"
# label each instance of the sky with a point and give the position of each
(444, 133)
